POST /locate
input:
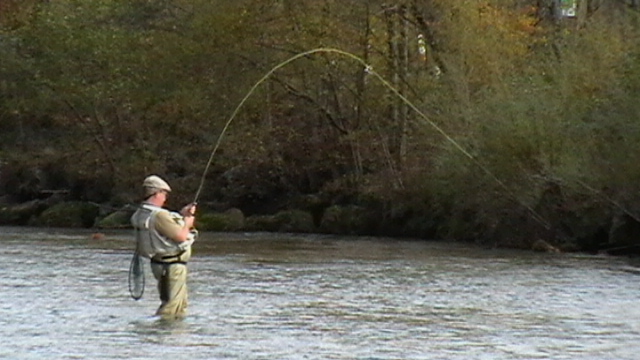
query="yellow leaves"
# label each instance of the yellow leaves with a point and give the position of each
(527, 21)
(492, 38)
(512, 28)
(594, 57)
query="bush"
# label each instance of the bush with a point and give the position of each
(349, 219)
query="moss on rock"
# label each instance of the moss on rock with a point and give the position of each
(230, 220)
(21, 214)
(73, 214)
(297, 221)
(294, 221)
(120, 219)
(262, 223)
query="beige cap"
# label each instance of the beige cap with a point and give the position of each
(152, 184)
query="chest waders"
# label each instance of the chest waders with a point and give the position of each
(168, 260)
(136, 267)
(163, 282)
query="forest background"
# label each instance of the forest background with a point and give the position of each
(504, 122)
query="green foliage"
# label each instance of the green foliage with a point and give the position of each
(350, 219)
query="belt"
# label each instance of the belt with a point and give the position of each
(160, 262)
(164, 260)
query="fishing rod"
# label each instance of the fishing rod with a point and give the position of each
(369, 70)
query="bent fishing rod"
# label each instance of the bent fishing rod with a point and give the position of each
(369, 70)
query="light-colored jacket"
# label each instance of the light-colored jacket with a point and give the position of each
(149, 242)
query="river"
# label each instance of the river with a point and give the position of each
(275, 296)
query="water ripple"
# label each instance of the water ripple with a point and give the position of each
(269, 297)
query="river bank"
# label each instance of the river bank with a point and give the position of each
(618, 236)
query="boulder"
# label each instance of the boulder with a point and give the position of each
(262, 223)
(543, 246)
(21, 214)
(292, 221)
(623, 236)
(72, 214)
(119, 219)
(230, 220)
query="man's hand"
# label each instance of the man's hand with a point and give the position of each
(188, 210)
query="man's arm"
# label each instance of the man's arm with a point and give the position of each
(171, 229)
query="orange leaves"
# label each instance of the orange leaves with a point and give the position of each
(491, 39)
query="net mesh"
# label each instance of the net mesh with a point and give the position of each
(136, 277)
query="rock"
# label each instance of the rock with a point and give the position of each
(293, 221)
(543, 246)
(296, 221)
(21, 214)
(120, 219)
(72, 214)
(624, 231)
(230, 220)
(262, 223)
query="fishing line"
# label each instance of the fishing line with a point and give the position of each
(369, 71)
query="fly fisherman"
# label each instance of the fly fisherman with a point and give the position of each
(165, 237)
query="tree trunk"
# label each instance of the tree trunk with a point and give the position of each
(404, 108)
(398, 67)
(394, 65)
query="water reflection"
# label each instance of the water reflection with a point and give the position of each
(259, 296)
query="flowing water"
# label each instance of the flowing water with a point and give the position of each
(267, 296)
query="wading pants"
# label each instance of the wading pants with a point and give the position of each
(172, 287)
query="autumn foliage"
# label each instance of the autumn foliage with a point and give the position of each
(485, 106)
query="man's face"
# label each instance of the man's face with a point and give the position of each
(162, 196)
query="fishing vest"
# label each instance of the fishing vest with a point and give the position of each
(149, 242)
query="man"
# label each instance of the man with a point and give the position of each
(165, 237)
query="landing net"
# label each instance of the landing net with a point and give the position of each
(136, 276)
